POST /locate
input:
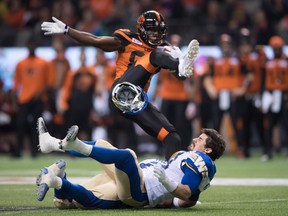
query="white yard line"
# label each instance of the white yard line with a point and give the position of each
(250, 181)
(239, 202)
(216, 181)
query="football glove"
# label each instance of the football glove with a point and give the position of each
(56, 27)
(174, 51)
(169, 184)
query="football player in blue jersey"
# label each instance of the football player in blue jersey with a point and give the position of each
(177, 182)
(140, 55)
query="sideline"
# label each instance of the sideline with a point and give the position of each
(216, 181)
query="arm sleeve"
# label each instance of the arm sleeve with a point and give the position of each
(192, 177)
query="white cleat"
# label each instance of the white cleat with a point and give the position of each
(186, 63)
(47, 143)
(44, 181)
(70, 137)
(58, 168)
(42, 186)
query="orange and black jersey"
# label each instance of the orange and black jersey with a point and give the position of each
(31, 78)
(277, 75)
(226, 73)
(254, 67)
(171, 88)
(134, 52)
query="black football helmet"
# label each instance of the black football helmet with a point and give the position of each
(152, 28)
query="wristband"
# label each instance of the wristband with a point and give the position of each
(176, 202)
(66, 29)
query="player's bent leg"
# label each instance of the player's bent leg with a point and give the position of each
(130, 183)
(86, 199)
(172, 144)
(108, 168)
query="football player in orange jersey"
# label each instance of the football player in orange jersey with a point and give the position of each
(229, 85)
(139, 56)
(275, 97)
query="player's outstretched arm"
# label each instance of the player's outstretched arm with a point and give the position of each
(106, 43)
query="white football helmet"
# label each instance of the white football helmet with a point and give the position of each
(129, 98)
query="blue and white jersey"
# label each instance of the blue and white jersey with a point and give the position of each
(191, 168)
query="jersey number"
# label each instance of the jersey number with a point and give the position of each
(133, 55)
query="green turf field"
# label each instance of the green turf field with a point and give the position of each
(217, 200)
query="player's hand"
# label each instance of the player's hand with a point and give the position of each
(169, 184)
(174, 51)
(56, 27)
(159, 172)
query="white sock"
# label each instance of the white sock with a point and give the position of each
(56, 183)
(52, 180)
(78, 146)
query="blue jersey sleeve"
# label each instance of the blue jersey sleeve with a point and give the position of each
(192, 177)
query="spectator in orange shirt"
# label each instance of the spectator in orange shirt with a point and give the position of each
(30, 87)
(230, 85)
(275, 96)
(59, 70)
(76, 97)
(252, 64)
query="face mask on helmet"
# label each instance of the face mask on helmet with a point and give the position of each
(152, 28)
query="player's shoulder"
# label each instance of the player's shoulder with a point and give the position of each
(196, 157)
(125, 34)
(127, 37)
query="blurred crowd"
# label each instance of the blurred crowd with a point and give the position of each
(242, 91)
(202, 19)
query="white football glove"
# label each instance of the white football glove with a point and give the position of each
(56, 27)
(168, 183)
(174, 51)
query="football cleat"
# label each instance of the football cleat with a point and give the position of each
(70, 137)
(43, 182)
(58, 168)
(186, 63)
(41, 127)
(47, 143)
